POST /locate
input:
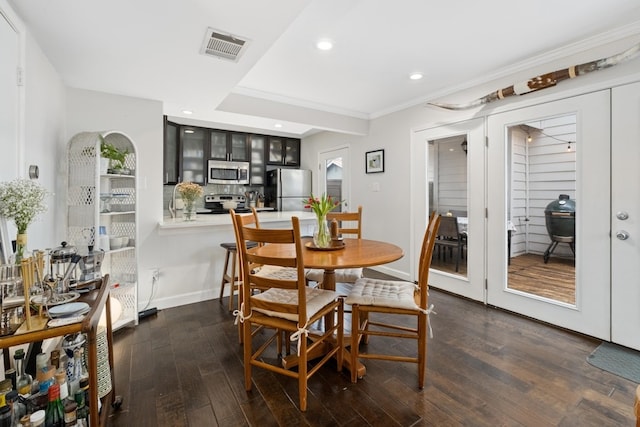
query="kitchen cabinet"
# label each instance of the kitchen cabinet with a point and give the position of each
(283, 151)
(258, 143)
(97, 335)
(171, 146)
(193, 154)
(188, 148)
(230, 146)
(101, 201)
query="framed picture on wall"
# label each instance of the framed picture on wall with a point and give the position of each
(374, 161)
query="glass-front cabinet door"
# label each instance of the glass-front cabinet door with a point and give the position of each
(171, 166)
(239, 150)
(193, 141)
(218, 145)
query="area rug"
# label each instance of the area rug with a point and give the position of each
(618, 360)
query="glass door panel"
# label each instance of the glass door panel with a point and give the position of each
(448, 198)
(541, 212)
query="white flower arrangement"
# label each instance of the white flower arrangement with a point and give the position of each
(22, 200)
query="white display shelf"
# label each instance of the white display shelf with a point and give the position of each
(98, 200)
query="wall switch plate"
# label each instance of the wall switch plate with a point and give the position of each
(375, 186)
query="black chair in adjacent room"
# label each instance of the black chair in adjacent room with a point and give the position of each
(449, 238)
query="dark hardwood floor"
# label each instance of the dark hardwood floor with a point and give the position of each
(486, 367)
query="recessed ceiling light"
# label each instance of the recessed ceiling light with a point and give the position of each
(324, 45)
(187, 112)
(415, 76)
(188, 131)
(278, 125)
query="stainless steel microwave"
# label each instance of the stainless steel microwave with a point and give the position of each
(222, 172)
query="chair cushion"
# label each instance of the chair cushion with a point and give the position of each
(273, 271)
(382, 293)
(343, 275)
(316, 300)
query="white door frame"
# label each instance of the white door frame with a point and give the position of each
(591, 313)
(471, 286)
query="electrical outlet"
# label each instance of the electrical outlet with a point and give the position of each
(155, 274)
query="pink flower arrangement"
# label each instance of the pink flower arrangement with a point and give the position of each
(321, 206)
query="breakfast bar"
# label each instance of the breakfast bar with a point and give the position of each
(191, 260)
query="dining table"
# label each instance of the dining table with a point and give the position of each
(354, 253)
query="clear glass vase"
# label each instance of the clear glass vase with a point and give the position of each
(321, 234)
(21, 247)
(189, 211)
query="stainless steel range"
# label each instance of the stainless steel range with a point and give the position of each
(221, 203)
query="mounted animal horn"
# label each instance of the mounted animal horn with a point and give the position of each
(544, 81)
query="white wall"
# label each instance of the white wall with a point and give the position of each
(141, 120)
(41, 123)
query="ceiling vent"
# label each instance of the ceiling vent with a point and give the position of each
(221, 45)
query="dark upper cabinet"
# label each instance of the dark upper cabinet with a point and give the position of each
(171, 143)
(187, 150)
(184, 153)
(219, 145)
(193, 141)
(258, 143)
(230, 146)
(283, 151)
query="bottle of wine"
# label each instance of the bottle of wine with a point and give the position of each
(54, 414)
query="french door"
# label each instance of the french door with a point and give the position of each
(625, 216)
(543, 260)
(451, 164)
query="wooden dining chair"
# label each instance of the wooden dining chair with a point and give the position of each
(286, 305)
(350, 224)
(636, 406)
(252, 220)
(383, 297)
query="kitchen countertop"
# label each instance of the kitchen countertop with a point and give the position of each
(222, 220)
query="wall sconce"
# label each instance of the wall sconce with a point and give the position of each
(464, 146)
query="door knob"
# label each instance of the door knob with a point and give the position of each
(622, 235)
(622, 215)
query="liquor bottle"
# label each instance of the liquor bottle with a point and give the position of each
(54, 414)
(23, 383)
(61, 379)
(82, 412)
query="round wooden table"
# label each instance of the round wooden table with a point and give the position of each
(356, 253)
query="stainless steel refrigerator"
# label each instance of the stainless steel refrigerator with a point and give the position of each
(287, 188)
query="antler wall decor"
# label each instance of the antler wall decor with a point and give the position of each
(544, 81)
